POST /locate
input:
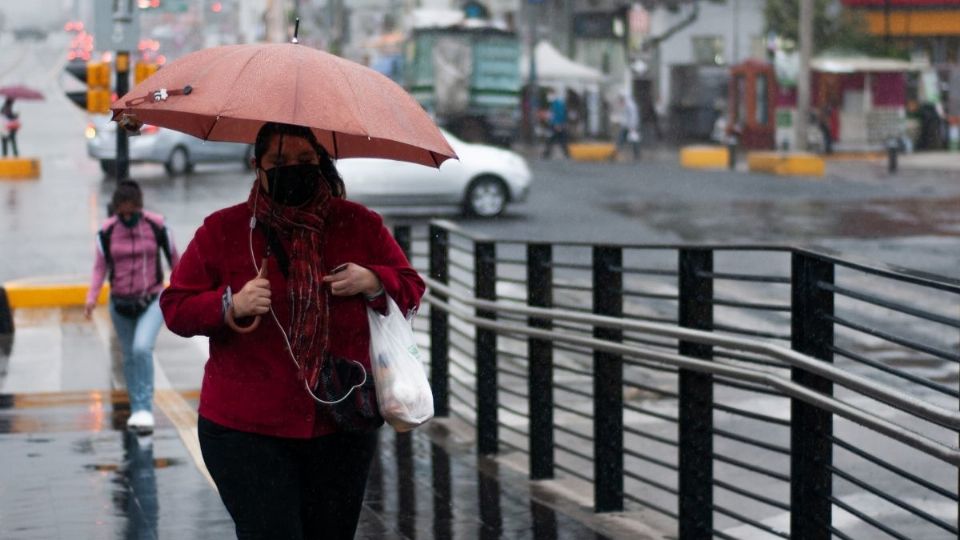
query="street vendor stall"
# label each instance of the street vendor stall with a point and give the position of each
(857, 103)
(861, 101)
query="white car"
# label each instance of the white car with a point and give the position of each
(481, 183)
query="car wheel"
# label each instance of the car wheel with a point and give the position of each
(179, 162)
(486, 197)
(109, 167)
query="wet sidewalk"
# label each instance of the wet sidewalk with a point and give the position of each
(70, 470)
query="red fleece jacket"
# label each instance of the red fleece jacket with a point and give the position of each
(250, 383)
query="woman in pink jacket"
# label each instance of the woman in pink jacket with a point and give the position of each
(128, 250)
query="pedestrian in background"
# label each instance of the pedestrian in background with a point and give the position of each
(129, 245)
(629, 125)
(11, 124)
(288, 412)
(558, 125)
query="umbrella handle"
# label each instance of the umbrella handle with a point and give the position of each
(232, 323)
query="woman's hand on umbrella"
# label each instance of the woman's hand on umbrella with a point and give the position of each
(350, 279)
(253, 298)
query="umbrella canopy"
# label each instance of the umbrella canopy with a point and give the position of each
(228, 93)
(20, 92)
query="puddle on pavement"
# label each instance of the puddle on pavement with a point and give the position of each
(799, 220)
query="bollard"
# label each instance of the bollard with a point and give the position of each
(892, 148)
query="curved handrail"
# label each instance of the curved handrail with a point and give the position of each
(877, 390)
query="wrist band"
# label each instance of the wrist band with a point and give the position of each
(375, 295)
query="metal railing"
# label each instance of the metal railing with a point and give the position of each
(726, 390)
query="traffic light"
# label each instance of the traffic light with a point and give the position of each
(96, 75)
(143, 70)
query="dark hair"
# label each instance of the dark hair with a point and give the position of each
(127, 191)
(327, 167)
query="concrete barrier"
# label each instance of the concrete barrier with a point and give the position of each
(786, 164)
(19, 168)
(704, 157)
(592, 151)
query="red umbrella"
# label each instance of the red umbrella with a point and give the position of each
(20, 92)
(227, 93)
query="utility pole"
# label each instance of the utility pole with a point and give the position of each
(533, 7)
(122, 17)
(803, 77)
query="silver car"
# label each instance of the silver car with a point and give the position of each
(177, 152)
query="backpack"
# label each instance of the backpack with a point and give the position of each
(159, 233)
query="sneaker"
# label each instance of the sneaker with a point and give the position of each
(141, 422)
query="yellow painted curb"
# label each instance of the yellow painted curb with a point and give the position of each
(704, 157)
(592, 151)
(19, 168)
(786, 164)
(51, 295)
(855, 156)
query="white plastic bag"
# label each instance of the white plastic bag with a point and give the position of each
(403, 392)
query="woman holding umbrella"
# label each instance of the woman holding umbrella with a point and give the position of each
(281, 283)
(11, 124)
(287, 411)
(9, 118)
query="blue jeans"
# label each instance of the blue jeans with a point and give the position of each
(137, 337)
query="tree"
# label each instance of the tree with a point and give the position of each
(833, 27)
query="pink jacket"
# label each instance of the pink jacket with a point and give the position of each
(134, 251)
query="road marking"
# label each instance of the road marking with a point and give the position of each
(40, 369)
(181, 414)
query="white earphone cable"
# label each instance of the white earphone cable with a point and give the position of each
(273, 315)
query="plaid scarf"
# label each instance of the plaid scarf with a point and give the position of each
(309, 309)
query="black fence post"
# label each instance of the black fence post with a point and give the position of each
(608, 383)
(811, 451)
(401, 233)
(485, 287)
(696, 398)
(540, 366)
(439, 323)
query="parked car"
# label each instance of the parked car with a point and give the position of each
(176, 151)
(482, 183)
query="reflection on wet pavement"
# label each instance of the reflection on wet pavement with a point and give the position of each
(792, 220)
(421, 487)
(70, 471)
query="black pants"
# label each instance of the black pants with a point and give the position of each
(10, 139)
(557, 136)
(289, 489)
(623, 138)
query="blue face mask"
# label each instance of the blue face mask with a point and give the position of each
(132, 220)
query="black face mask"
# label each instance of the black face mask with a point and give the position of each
(132, 220)
(293, 185)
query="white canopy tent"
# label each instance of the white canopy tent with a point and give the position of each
(555, 69)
